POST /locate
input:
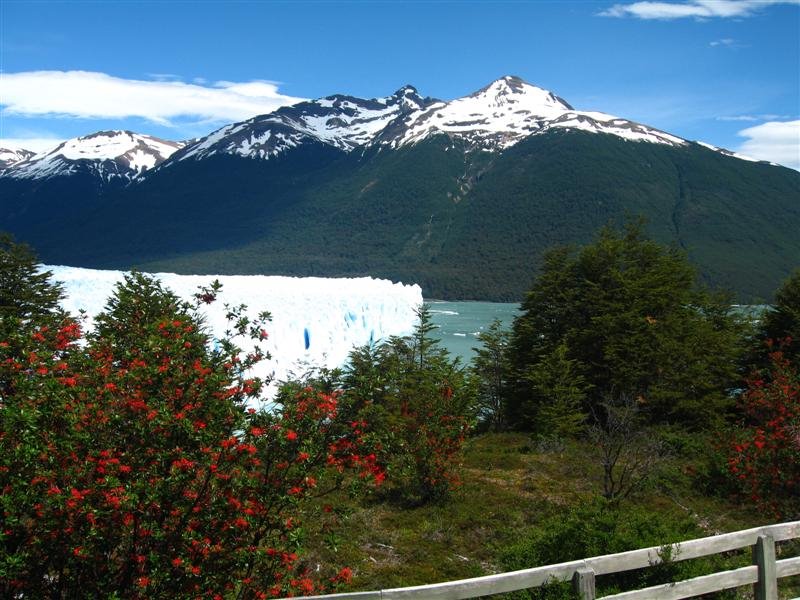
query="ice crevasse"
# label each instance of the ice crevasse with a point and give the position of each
(315, 321)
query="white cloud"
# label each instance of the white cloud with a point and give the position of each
(776, 141)
(92, 95)
(766, 117)
(722, 42)
(33, 144)
(698, 9)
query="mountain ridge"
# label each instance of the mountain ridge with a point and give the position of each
(462, 197)
(492, 118)
(112, 154)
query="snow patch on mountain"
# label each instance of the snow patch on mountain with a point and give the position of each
(344, 122)
(734, 154)
(107, 154)
(509, 110)
(494, 118)
(11, 156)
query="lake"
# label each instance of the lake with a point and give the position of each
(459, 323)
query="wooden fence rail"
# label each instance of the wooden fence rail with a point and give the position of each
(763, 574)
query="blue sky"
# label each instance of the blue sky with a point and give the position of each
(725, 72)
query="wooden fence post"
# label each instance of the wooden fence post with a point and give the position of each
(764, 559)
(583, 583)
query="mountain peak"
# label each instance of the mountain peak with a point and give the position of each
(508, 110)
(512, 81)
(406, 90)
(111, 154)
(511, 89)
(106, 133)
(495, 117)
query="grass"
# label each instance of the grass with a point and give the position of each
(509, 489)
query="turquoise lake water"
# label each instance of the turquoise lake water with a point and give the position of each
(459, 323)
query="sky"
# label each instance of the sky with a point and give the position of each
(725, 72)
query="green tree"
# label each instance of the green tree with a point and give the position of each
(419, 403)
(633, 320)
(783, 319)
(26, 292)
(490, 366)
(559, 391)
(30, 314)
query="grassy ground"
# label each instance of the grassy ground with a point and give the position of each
(509, 489)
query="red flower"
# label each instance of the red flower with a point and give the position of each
(344, 576)
(291, 435)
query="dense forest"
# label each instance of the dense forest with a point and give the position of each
(462, 223)
(628, 406)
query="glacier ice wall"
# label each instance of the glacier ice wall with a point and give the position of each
(315, 321)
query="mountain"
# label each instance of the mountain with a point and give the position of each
(343, 122)
(493, 118)
(106, 155)
(12, 156)
(507, 111)
(47, 191)
(462, 197)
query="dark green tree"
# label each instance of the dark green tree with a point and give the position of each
(490, 367)
(782, 321)
(26, 292)
(30, 314)
(634, 321)
(560, 390)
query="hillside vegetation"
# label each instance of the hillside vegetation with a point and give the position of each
(627, 407)
(463, 224)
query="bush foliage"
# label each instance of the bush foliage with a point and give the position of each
(419, 403)
(764, 456)
(623, 315)
(130, 466)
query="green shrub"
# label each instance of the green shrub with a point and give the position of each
(599, 528)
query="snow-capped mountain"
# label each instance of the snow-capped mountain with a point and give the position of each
(11, 156)
(108, 155)
(450, 194)
(509, 110)
(493, 118)
(344, 122)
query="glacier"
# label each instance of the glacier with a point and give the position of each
(315, 321)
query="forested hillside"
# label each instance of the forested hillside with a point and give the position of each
(463, 224)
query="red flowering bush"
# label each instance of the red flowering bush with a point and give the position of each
(764, 458)
(418, 404)
(131, 468)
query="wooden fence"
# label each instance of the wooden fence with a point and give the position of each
(763, 574)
